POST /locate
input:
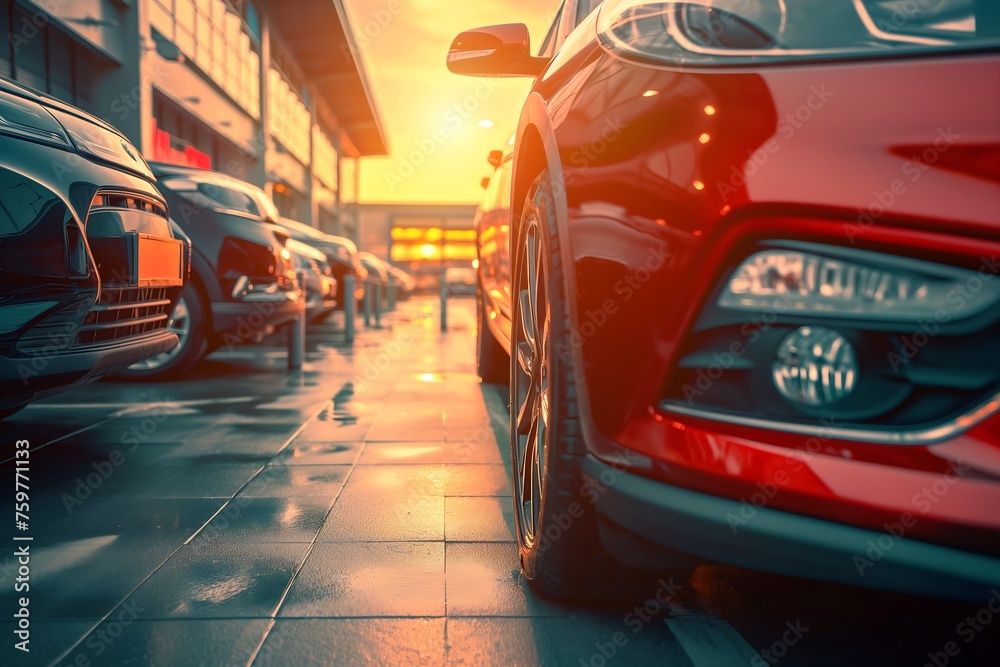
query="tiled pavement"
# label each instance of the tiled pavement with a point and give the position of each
(357, 513)
(284, 529)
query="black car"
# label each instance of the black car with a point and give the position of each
(341, 252)
(243, 283)
(378, 271)
(404, 282)
(316, 279)
(89, 267)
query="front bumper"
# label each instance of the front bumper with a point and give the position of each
(318, 307)
(30, 378)
(717, 529)
(249, 321)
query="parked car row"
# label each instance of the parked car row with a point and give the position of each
(112, 265)
(90, 266)
(341, 253)
(243, 279)
(739, 271)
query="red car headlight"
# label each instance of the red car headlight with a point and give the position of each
(734, 32)
(816, 280)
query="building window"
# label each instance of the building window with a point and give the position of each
(287, 201)
(252, 19)
(348, 180)
(324, 158)
(288, 118)
(214, 35)
(179, 139)
(61, 65)
(29, 53)
(45, 58)
(6, 65)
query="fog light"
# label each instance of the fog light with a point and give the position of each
(815, 366)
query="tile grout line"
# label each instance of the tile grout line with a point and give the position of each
(295, 434)
(444, 524)
(290, 439)
(309, 550)
(111, 418)
(273, 618)
(121, 412)
(312, 544)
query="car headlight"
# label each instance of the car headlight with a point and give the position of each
(103, 143)
(811, 279)
(728, 32)
(29, 120)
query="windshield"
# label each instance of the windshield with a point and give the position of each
(215, 195)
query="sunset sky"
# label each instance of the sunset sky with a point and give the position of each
(404, 44)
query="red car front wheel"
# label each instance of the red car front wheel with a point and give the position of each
(557, 532)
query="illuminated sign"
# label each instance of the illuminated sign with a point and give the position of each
(164, 151)
(426, 244)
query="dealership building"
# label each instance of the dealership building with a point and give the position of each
(274, 93)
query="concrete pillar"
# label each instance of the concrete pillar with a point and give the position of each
(123, 95)
(338, 207)
(257, 171)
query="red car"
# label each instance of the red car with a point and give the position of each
(741, 269)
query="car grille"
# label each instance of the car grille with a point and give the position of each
(125, 312)
(128, 201)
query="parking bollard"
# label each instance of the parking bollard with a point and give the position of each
(297, 332)
(444, 303)
(368, 304)
(391, 296)
(350, 308)
(378, 305)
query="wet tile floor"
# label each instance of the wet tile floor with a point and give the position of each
(354, 513)
(277, 527)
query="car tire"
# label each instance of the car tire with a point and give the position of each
(189, 322)
(492, 361)
(555, 523)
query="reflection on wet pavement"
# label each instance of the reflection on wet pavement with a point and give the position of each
(357, 512)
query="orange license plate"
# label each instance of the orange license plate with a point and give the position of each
(160, 261)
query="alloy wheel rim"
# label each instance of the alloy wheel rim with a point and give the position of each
(180, 324)
(531, 383)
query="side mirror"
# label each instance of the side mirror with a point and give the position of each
(495, 158)
(495, 51)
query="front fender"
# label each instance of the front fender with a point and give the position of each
(537, 151)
